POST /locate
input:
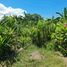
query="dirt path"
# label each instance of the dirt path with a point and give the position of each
(65, 61)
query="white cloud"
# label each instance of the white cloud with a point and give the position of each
(9, 11)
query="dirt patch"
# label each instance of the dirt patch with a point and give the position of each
(36, 56)
(65, 61)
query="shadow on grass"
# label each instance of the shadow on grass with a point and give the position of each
(7, 56)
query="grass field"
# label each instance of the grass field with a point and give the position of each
(41, 58)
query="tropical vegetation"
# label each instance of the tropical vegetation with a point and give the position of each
(18, 33)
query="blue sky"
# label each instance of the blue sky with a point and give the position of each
(46, 8)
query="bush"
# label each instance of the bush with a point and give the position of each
(6, 42)
(60, 38)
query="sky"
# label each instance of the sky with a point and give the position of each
(46, 8)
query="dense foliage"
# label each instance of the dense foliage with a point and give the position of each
(19, 32)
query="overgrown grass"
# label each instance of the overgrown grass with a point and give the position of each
(50, 59)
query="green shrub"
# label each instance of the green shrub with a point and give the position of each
(60, 38)
(6, 42)
(25, 41)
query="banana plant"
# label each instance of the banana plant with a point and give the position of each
(64, 14)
